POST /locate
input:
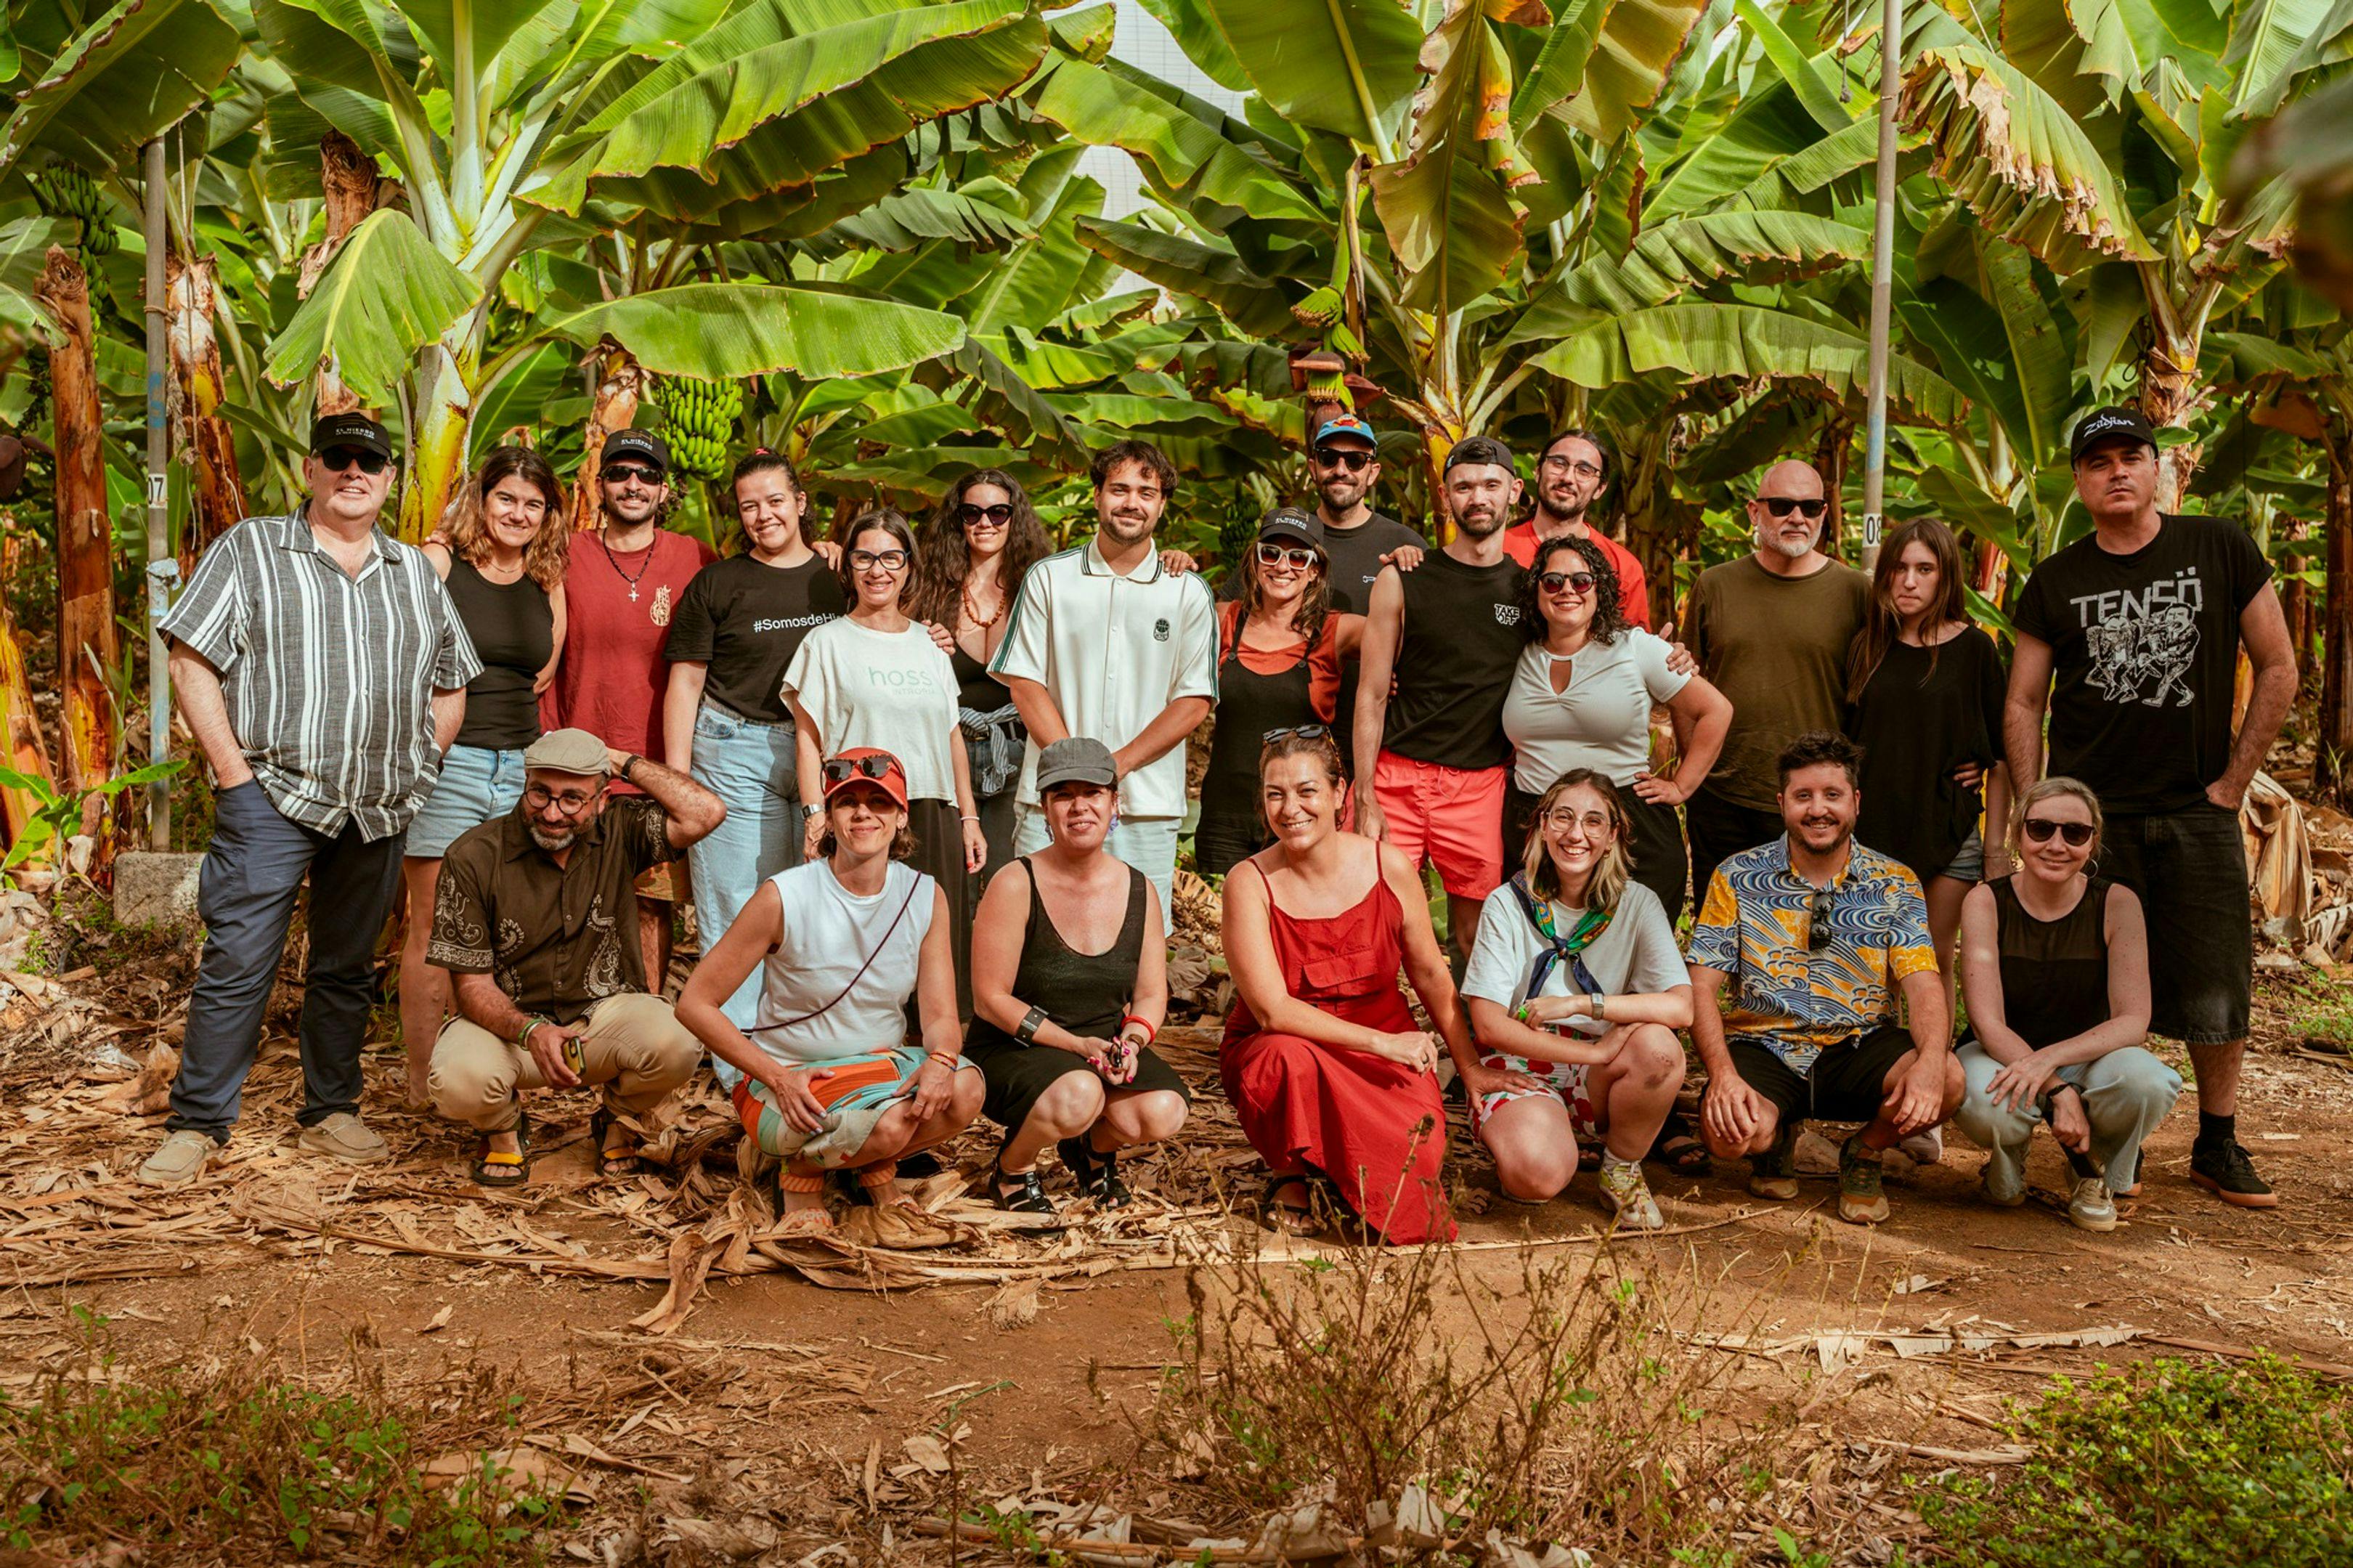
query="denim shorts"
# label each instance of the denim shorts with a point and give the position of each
(2190, 868)
(476, 786)
(1969, 860)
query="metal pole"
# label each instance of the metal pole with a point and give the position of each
(1882, 280)
(159, 544)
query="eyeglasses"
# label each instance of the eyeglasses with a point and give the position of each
(1567, 465)
(1782, 506)
(1276, 555)
(335, 459)
(1819, 910)
(967, 515)
(841, 770)
(622, 473)
(1303, 731)
(1561, 821)
(888, 560)
(571, 803)
(2038, 830)
(1342, 458)
(1578, 583)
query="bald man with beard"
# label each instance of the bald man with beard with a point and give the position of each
(1771, 630)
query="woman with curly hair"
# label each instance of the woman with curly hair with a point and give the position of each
(970, 559)
(501, 552)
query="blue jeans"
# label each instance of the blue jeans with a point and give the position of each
(749, 765)
(246, 895)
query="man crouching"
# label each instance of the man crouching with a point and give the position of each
(535, 916)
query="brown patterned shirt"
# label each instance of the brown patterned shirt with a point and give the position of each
(557, 939)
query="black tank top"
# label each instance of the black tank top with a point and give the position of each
(1463, 639)
(1249, 705)
(2055, 973)
(512, 626)
(976, 688)
(1085, 993)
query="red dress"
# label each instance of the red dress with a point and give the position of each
(1377, 1128)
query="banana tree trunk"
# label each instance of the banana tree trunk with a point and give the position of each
(86, 639)
(2337, 617)
(438, 417)
(20, 725)
(612, 407)
(347, 178)
(2169, 395)
(1831, 449)
(2297, 603)
(1651, 528)
(218, 501)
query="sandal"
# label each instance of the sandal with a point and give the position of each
(600, 1127)
(1097, 1174)
(501, 1168)
(1298, 1220)
(814, 1221)
(1028, 1194)
(880, 1183)
(1679, 1148)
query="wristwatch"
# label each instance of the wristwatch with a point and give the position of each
(627, 764)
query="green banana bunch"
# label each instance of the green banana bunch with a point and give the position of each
(1320, 308)
(1235, 537)
(62, 189)
(699, 419)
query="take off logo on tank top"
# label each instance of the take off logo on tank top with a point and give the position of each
(2142, 645)
(1508, 614)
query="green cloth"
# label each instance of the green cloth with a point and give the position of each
(1776, 646)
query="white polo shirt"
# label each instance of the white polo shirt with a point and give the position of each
(1113, 652)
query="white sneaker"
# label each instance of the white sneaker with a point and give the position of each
(1926, 1148)
(2092, 1206)
(1627, 1195)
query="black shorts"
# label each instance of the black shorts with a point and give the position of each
(2190, 868)
(1016, 1075)
(1847, 1084)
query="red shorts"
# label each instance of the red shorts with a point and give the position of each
(1452, 818)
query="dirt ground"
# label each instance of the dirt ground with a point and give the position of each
(794, 1391)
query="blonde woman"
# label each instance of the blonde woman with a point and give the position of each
(501, 552)
(1576, 990)
(2054, 965)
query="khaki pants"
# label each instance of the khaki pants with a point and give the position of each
(634, 1045)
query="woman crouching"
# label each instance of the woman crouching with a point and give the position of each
(831, 1082)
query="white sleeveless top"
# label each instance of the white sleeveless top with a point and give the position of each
(827, 933)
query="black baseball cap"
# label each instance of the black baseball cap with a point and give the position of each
(2105, 424)
(1288, 522)
(1481, 449)
(349, 430)
(642, 445)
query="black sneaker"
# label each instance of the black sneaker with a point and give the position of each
(1097, 1174)
(2222, 1168)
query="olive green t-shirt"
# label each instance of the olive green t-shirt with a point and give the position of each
(1776, 646)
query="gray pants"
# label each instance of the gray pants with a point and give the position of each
(2126, 1094)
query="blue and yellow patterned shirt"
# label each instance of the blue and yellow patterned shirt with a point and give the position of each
(1754, 926)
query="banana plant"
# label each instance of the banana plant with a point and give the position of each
(537, 124)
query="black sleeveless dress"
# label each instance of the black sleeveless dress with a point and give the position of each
(1085, 993)
(2055, 973)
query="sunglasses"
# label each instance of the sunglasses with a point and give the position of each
(1782, 506)
(622, 473)
(1276, 555)
(967, 515)
(1576, 582)
(841, 770)
(1304, 732)
(1819, 910)
(335, 459)
(888, 560)
(2038, 830)
(571, 803)
(1342, 458)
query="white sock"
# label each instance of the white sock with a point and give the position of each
(1610, 1162)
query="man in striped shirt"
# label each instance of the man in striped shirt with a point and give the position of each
(322, 668)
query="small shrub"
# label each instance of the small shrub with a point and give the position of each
(2164, 1464)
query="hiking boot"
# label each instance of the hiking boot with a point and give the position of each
(1774, 1173)
(1859, 1200)
(1628, 1197)
(2223, 1169)
(345, 1137)
(2093, 1207)
(180, 1161)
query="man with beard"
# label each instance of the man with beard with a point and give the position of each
(536, 920)
(1106, 642)
(1771, 630)
(2141, 621)
(1570, 479)
(322, 668)
(626, 577)
(1816, 934)
(1447, 635)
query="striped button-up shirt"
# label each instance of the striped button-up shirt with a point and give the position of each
(329, 678)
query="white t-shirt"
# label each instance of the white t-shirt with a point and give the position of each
(1113, 652)
(892, 689)
(1601, 722)
(827, 932)
(1636, 956)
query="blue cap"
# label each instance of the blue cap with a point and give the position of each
(1344, 425)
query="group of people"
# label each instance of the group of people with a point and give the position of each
(927, 786)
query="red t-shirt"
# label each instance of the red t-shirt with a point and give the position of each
(1633, 593)
(613, 675)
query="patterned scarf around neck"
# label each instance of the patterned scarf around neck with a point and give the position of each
(1584, 934)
